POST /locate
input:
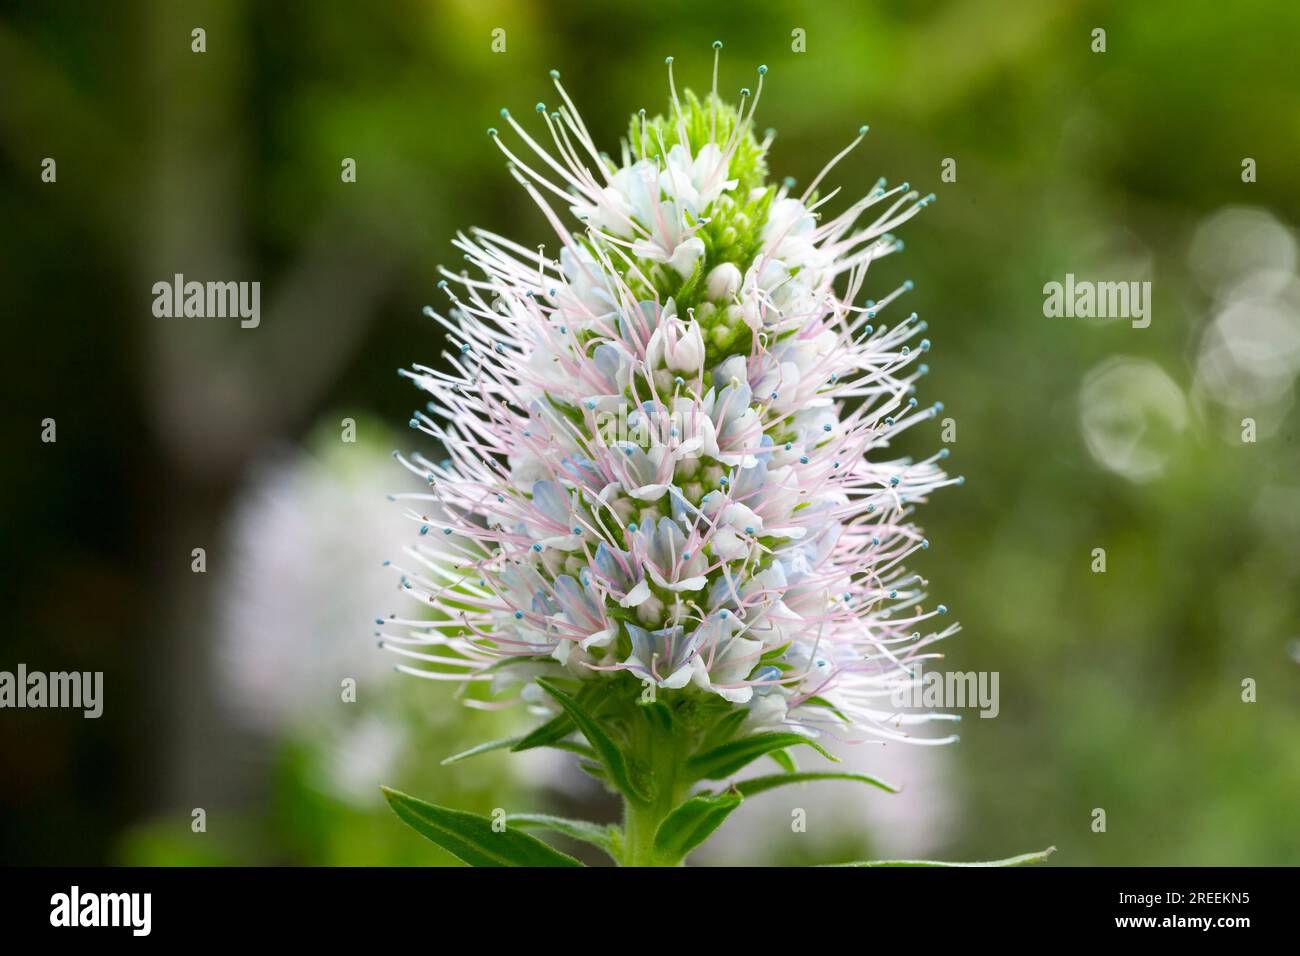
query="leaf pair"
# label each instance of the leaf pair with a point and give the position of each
(475, 839)
(549, 734)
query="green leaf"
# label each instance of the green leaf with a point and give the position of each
(659, 715)
(601, 836)
(757, 785)
(481, 749)
(557, 728)
(469, 837)
(1024, 858)
(725, 729)
(574, 747)
(686, 293)
(691, 824)
(516, 743)
(726, 759)
(823, 702)
(608, 752)
(783, 760)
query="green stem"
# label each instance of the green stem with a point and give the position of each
(640, 821)
(661, 753)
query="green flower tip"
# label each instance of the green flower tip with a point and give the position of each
(707, 120)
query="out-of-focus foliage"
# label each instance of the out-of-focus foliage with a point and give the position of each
(1119, 691)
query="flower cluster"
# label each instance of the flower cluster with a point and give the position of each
(668, 447)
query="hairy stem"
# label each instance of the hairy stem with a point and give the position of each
(662, 753)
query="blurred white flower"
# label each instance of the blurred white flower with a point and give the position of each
(1236, 242)
(1131, 414)
(1249, 355)
(361, 754)
(299, 590)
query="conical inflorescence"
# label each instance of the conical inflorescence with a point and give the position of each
(668, 447)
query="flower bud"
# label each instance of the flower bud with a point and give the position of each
(724, 281)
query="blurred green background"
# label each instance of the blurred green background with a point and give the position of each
(1119, 690)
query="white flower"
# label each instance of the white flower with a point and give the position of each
(724, 281)
(697, 182)
(669, 448)
(677, 345)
